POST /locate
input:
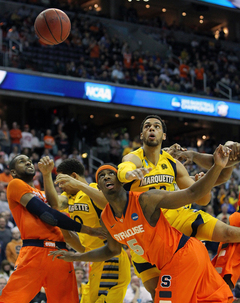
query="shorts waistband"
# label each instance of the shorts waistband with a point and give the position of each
(44, 243)
(182, 242)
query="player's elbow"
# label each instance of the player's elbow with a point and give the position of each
(204, 201)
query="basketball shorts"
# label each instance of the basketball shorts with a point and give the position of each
(191, 222)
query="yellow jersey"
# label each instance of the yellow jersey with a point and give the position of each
(162, 176)
(82, 209)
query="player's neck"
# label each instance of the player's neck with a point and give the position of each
(118, 202)
(152, 153)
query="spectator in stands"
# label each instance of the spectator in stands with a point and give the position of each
(224, 215)
(5, 234)
(62, 143)
(3, 283)
(5, 176)
(155, 82)
(115, 149)
(80, 275)
(226, 80)
(3, 199)
(103, 147)
(47, 152)
(76, 155)
(13, 247)
(13, 33)
(5, 139)
(16, 135)
(184, 70)
(26, 140)
(117, 74)
(137, 292)
(236, 173)
(127, 58)
(61, 159)
(36, 144)
(49, 141)
(5, 270)
(199, 74)
(8, 217)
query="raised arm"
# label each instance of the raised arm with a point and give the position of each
(69, 183)
(184, 181)
(164, 199)
(46, 166)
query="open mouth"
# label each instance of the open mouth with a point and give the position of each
(152, 136)
(109, 185)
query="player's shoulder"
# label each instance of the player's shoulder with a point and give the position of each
(16, 182)
(94, 185)
(167, 156)
(138, 152)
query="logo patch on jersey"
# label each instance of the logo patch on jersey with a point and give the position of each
(134, 216)
(78, 207)
(157, 179)
(129, 232)
(164, 166)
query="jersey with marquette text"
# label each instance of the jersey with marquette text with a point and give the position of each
(156, 245)
(162, 176)
(83, 210)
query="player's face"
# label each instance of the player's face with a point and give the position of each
(152, 133)
(108, 182)
(24, 167)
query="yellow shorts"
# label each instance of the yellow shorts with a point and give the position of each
(191, 222)
(108, 281)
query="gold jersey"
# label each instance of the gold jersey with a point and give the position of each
(82, 209)
(162, 176)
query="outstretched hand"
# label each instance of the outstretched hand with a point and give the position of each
(67, 256)
(185, 156)
(221, 155)
(175, 150)
(45, 165)
(137, 174)
(67, 182)
(235, 150)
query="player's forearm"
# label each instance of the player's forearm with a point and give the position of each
(94, 194)
(203, 160)
(225, 175)
(72, 239)
(123, 169)
(203, 186)
(96, 255)
(50, 191)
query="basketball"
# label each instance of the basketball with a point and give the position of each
(52, 26)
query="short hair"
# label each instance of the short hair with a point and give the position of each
(15, 229)
(155, 117)
(13, 162)
(70, 166)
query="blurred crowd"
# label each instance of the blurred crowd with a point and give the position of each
(91, 52)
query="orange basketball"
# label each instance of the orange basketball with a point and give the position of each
(52, 26)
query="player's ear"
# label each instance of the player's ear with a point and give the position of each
(13, 173)
(74, 175)
(164, 136)
(141, 136)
